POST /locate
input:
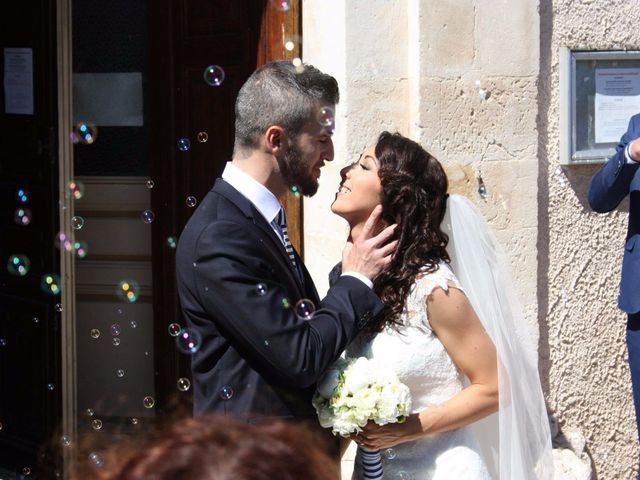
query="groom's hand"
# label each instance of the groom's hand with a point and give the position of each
(369, 255)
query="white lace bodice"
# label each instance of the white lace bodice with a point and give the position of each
(423, 364)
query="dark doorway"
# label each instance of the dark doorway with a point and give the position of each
(30, 376)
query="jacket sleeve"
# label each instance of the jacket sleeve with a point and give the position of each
(611, 183)
(237, 285)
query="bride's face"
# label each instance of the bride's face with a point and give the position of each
(360, 190)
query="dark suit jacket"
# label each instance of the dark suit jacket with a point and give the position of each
(238, 289)
(614, 181)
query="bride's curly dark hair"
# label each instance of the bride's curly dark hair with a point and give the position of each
(414, 195)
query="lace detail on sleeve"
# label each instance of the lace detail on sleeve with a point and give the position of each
(416, 308)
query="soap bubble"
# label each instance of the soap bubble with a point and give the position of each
(150, 184)
(305, 309)
(295, 190)
(77, 222)
(147, 216)
(50, 283)
(261, 289)
(95, 333)
(22, 216)
(128, 290)
(65, 441)
(171, 242)
(18, 265)
(183, 384)
(76, 189)
(22, 195)
(58, 307)
(184, 144)
(214, 75)
(188, 341)
(120, 373)
(326, 118)
(226, 393)
(81, 249)
(283, 5)
(96, 459)
(148, 402)
(96, 424)
(115, 341)
(174, 329)
(191, 201)
(202, 137)
(63, 241)
(85, 132)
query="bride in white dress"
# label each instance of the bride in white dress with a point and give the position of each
(452, 330)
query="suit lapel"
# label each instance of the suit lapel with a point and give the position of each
(270, 238)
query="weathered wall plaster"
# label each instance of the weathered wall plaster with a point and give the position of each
(580, 254)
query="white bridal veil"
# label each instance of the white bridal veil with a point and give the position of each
(522, 449)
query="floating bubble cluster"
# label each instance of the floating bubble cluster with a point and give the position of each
(22, 216)
(214, 75)
(482, 189)
(18, 265)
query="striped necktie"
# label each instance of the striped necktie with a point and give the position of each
(282, 223)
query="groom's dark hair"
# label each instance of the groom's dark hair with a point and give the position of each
(280, 93)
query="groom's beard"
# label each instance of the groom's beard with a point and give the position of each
(295, 172)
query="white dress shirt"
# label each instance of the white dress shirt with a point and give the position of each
(266, 203)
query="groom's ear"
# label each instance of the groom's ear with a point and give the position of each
(275, 139)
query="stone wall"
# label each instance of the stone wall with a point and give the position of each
(580, 254)
(476, 82)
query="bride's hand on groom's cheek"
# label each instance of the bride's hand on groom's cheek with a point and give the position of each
(377, 437)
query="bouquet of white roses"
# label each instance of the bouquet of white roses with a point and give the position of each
(356, 391)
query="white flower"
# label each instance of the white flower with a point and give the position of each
(355, 392)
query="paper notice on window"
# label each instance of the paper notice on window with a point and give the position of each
(617, 100)
(18, 80)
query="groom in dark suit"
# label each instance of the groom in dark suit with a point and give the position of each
(240, 280)
(616, 179)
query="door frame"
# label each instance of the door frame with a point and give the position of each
(64, 52)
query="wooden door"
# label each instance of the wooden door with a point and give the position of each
(30, 377)
(188, 36)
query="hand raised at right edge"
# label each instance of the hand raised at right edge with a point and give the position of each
(369, 255)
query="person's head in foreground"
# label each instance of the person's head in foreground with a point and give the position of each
(218, 448)
(411, 186)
